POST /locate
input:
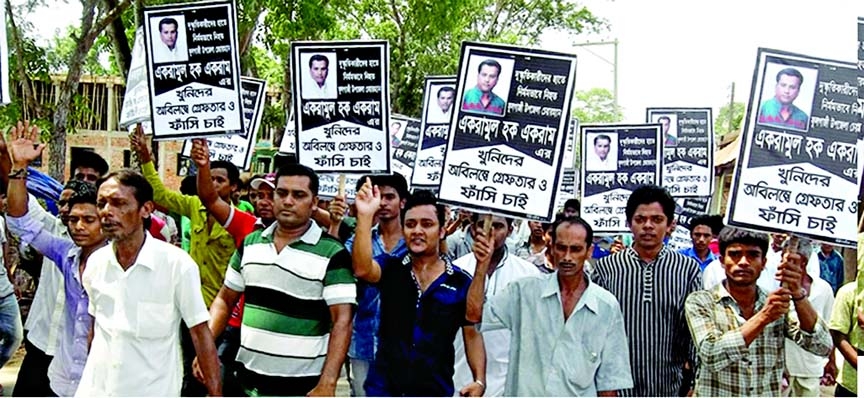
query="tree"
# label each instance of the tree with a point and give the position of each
(721, 123)
(596, 105)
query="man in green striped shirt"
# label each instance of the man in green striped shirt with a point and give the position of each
(299, 289)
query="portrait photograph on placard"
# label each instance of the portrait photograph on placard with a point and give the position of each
(319, 81)
(441, 107)
(787, 96)
(668, 128)
(602, 152)
(168, 35)
(487, 85)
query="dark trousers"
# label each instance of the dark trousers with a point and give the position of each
(227, 347)
(840, 391)
(191, 386)
(275, 386)
(33, 374)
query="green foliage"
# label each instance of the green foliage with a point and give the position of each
(596, 105)
(61, 48)
(721, 122)
(267, 65)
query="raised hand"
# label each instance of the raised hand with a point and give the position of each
(24, 146)
(200, 152)
(337, 209)
(482, 246)
(139, 144)
(368, 199)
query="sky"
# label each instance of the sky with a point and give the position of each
(687, 53)
(671, 53)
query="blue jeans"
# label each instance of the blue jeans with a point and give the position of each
(11, 329)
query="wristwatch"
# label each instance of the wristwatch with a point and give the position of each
(802, 295)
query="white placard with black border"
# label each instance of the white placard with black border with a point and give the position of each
(193, 70)
(342, 105)
(404, 136)
(616, 159)
(798, 169)
(506, 144)
(688, 150)
(238, 149)
(136, 101)
(439, 97)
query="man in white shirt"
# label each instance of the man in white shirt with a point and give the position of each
(598, 160)
(318, 87)
(167, 49)
(140, 289)
(442, 112)
(504, 268)
(806, 370)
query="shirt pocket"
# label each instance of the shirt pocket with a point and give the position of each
(583, 365)
(154, 320)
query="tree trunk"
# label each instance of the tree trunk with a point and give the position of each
(287, 103)
(117, 31)
(69, 88)
(29, 102)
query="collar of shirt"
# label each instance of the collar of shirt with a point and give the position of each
(448, 264)
(146, 255)
(311, 236)
(588, 299)
(631, 252)
(721, 295)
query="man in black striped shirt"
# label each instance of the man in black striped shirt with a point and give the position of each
(651, 282)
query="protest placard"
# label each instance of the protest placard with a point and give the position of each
(688, 150)
(193, 70)
(439, 96)
(404, 136)
(616, 159)
(238, 148)
(798, 170)
(342, 105)
(507, 137)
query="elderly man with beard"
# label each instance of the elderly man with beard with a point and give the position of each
(422, 304)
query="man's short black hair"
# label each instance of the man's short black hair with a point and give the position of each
(475, 217)
(489, 62)
(589, 232)
(319, 58)
(573, 204)
(730, 235)
(168, 21)
(395, 181)
(703, 219)
(189, 186)
(424, 197)
(791, 72)
(716, 223)
(299, 170)
(84, 195)
(90, 159)
(602, 137)
(647, 194)
(230, 169)
(446, 89)
(132, 179)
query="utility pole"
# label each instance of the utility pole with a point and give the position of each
(614, 62)
(731, 107)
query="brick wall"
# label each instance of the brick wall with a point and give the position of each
(111, 146)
